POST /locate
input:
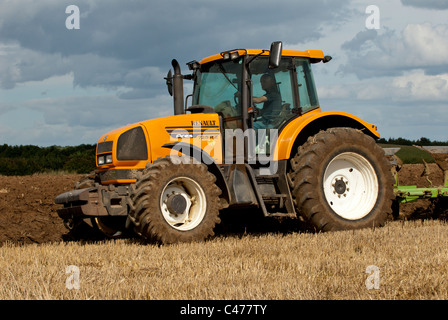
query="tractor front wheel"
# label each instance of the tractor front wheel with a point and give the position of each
(175, 201)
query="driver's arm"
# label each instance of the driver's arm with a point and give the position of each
(259, 99)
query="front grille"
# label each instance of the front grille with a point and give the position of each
(131, 145)
(103, 147)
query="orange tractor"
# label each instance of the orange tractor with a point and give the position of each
(254, 136)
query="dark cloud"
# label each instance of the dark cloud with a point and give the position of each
(118, 39)
(360, 40)
(427, 4)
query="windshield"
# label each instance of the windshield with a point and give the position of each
(218, 84)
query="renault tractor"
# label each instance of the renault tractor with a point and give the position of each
(251, 135)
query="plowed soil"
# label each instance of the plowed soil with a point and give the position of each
(28, 212)
(27, 209)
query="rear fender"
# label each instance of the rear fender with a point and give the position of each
(296, 132)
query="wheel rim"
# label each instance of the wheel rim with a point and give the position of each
(350, 186)
(195, 204)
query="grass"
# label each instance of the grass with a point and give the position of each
(413, 155)
(411, 256)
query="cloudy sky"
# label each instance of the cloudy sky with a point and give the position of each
(61, 86)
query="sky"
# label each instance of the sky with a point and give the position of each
(64, 83)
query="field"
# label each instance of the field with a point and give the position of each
(271, 260)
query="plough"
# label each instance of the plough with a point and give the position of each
(406, 194)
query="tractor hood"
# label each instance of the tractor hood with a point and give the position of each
(134, 145)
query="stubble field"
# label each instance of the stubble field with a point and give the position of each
(269, 260)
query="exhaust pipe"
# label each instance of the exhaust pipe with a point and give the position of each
(178, 89)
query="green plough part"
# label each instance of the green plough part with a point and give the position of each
(405, 194)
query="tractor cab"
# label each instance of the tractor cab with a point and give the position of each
(254, 88)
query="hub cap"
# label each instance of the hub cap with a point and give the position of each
(350, 186)
(183, 203)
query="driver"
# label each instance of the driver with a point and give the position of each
(272, 102)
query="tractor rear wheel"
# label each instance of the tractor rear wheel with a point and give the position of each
(175, 201)
(342, 180)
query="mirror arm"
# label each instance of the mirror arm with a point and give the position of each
(249, 61)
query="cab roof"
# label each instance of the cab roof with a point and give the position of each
(315, 55)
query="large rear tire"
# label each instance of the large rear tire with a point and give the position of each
(342, 180)
(175, 201)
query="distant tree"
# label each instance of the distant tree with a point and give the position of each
(25, 160)
(423, 142)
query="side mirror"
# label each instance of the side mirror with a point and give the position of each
(275, 54)
(169, 82)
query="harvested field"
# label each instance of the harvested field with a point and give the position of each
(274, 262)
(411, 258)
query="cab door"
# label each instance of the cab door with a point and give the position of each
(279, 88)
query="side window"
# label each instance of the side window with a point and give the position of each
(304, 97)
(307, 90)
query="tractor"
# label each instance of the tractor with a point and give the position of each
(251, 135)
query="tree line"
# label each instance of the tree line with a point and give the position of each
(25, 160)
(419, 142)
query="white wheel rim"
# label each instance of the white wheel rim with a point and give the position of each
(350, 186)
(196, 204)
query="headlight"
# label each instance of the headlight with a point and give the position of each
(104, 159)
